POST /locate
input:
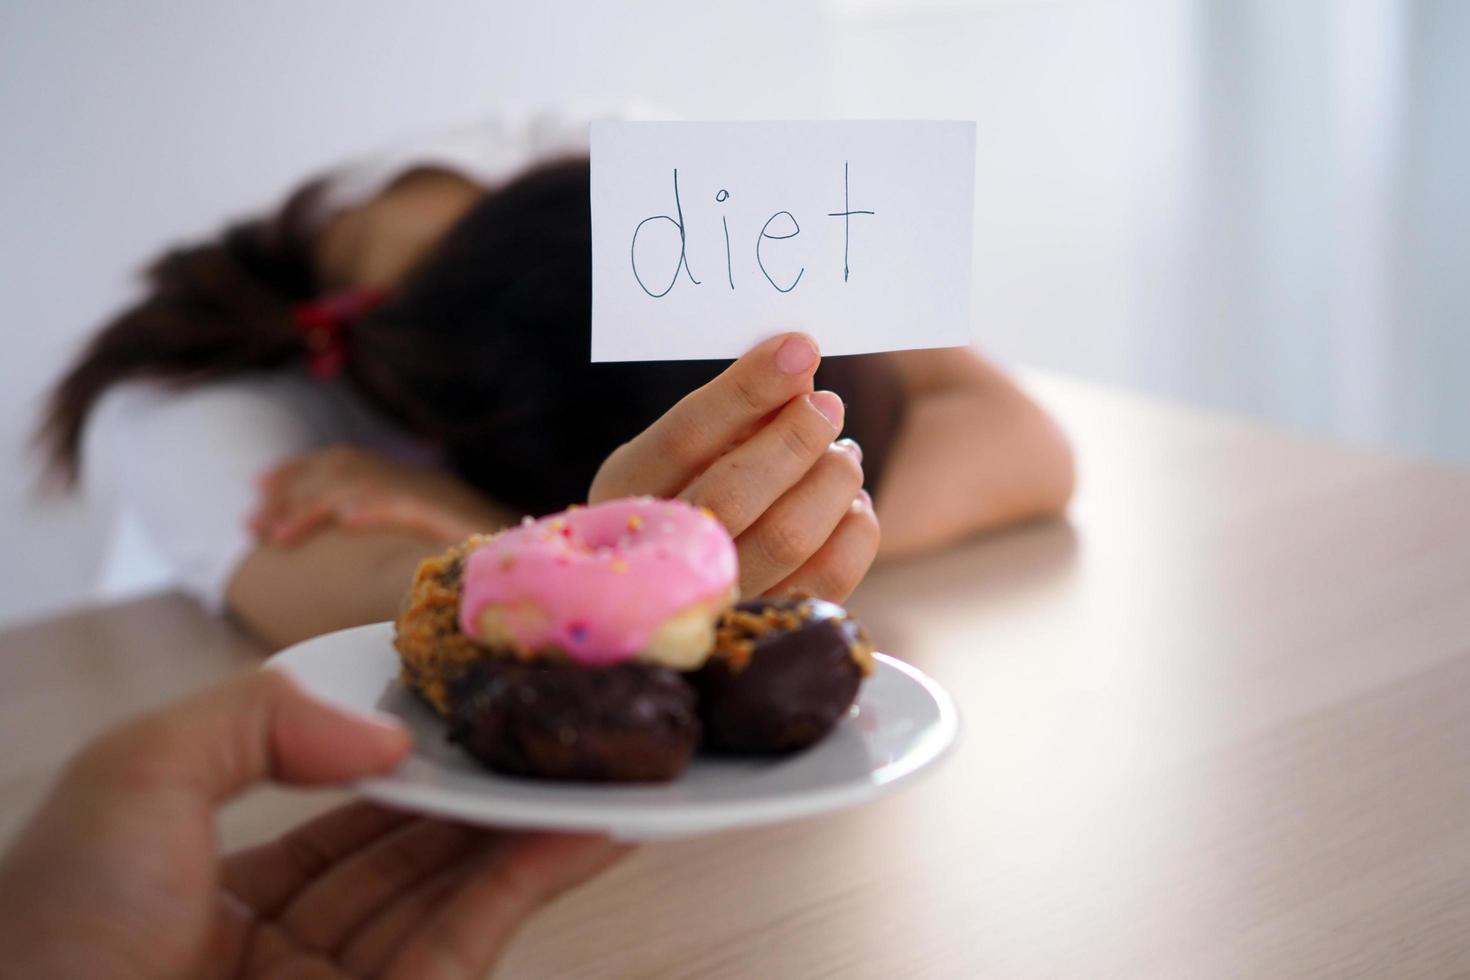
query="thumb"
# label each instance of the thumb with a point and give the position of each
(116, 870)
(259, 727)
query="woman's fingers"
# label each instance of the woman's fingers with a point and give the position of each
(405, 514)
(269, 875)
(378, 940)
(325, 913)
(465, 935)
(799, 523)
(357, 489)
(295, 496)
(285, 500)
(839, 564)
(743, 483)
(306, 516)
(374, 946)
(666, 456)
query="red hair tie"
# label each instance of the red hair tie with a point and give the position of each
(323, 324)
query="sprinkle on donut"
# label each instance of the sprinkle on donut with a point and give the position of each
(631, 579)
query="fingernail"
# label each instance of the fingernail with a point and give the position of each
(866, 498)
(829, 405)
(850, 445)
(797, 356)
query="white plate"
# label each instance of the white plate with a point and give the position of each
(902, 723)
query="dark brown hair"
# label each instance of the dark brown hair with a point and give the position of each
(211, 311)
(484, 349)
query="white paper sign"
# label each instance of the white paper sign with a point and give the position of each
(708, 237)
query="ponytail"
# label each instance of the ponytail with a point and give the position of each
(213, 310)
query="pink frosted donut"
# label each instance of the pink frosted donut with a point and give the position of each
(637, 578)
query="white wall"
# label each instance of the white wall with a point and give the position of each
(1245, 203)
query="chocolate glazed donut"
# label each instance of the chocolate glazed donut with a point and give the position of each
(783, 673)
(558, 720)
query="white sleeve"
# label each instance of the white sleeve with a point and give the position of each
(182, 466)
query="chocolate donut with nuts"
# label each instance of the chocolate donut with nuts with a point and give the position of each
(782, 674)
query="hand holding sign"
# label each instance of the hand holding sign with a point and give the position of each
(708, 237)
(756, 447)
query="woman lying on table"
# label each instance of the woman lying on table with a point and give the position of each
(298, 413)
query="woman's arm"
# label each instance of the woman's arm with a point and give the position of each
(974, 453)
(334, 579)
(339, 533)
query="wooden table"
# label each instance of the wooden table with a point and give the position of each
(1217, 725)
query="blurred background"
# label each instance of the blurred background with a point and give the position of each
(1260, 206)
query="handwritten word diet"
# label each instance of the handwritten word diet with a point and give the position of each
(781, 226)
